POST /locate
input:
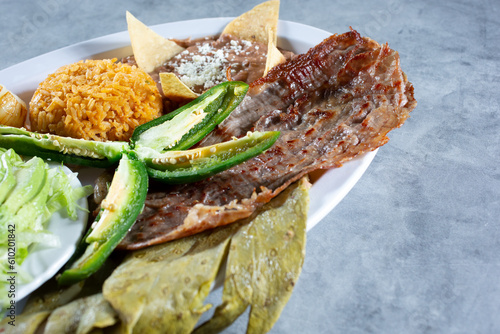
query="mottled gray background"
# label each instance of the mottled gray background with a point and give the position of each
(414, 247)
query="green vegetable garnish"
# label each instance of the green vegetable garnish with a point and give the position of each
(30, 178)
(31, 192)
(8, 180)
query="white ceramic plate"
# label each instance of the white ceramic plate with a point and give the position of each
(24, 77)
(43, 262)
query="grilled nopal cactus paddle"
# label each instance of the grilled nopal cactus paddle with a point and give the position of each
(163, 288)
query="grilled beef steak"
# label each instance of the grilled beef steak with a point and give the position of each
(331, 104)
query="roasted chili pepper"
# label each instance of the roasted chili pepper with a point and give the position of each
(177, 130)
(196, 164)
(64, 149)
(184, 127)
(119, 210)
(158, 149)
(128, 190)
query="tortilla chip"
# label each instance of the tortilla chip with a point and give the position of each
(174, 89)
(274, 56)
(253, 25)
(150, 49)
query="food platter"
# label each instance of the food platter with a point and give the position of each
(23, 78)
(45, 262)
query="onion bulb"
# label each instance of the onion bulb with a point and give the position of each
(13, 110)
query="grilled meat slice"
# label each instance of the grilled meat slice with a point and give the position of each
(331, 104)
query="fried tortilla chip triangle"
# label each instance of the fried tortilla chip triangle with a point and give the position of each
(253, 25)
(274, 56)
(174, 88)
(150, 49)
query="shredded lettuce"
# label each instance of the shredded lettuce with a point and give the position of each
(30, 193)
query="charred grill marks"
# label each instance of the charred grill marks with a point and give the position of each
(331, 104)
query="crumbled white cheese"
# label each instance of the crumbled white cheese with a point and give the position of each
(202, 70)
(209, 67)
(204, 48)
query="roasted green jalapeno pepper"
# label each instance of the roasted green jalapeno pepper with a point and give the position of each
(64, 149)
(184, 127)
(157, 150)
(119, 210)
(197, 164)
(177, 130)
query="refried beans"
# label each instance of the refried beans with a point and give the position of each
(205, 62)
